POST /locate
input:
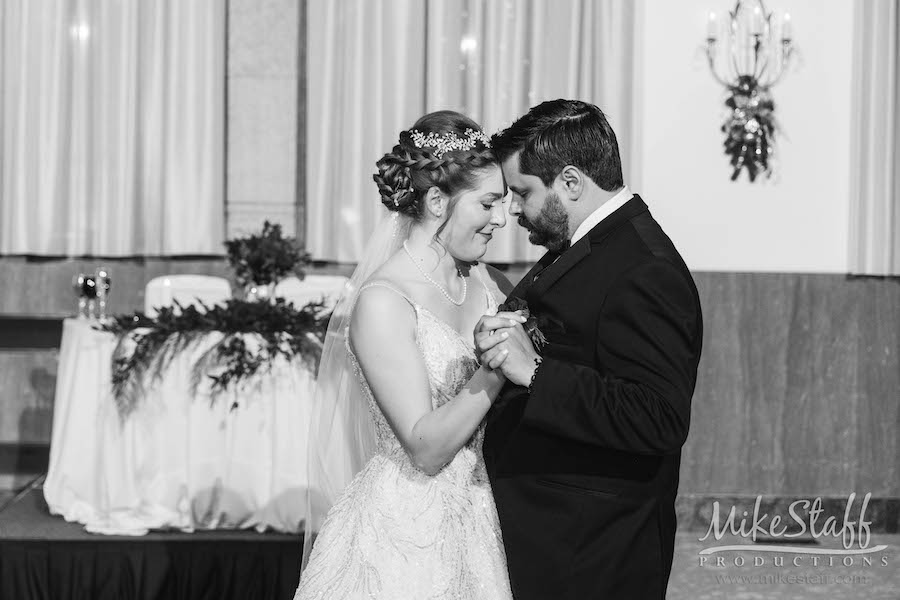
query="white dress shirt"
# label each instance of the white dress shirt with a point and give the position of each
(611, 206)
(608, 208)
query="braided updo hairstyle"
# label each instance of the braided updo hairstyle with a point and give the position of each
(406, 173)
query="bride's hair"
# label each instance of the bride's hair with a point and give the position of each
(444, 149)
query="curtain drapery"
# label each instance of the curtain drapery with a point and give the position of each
(384, 63)
(365, 81)
(112, 127)
(875, 151)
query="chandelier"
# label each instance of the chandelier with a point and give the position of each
(748, 52)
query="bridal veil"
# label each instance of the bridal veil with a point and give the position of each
(341, 436)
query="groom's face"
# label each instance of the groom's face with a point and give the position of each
(536, 207)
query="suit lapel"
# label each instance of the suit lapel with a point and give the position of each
(526, 281)
(571, 257)
(582, 248)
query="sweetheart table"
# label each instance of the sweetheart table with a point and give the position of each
(178, 461)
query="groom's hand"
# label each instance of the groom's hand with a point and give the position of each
(501, 339)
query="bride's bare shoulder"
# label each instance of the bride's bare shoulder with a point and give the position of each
(387, 296)
(382, 313)
(395, 274)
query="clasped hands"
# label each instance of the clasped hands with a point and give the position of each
(502, 343)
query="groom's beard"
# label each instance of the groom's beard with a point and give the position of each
(551, 227)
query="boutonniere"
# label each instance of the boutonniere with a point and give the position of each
(514, 304)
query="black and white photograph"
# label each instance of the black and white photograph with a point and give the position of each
(449, 299)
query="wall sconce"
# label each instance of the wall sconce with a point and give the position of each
(751, 57)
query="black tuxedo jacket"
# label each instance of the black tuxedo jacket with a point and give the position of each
(584, 469)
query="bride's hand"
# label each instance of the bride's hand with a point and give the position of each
(490, 331)
(501, 319)
(491, 364)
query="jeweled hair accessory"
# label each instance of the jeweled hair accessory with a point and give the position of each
(449, 142)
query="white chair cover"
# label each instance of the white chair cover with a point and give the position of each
(312, 288)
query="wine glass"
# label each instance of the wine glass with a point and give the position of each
(78, 283)
(104, 283)
(90, 292)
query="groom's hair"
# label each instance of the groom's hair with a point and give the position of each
(561, 132)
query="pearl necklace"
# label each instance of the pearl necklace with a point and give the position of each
(435, 283)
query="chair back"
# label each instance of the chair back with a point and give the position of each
(186, 289)
(311, 288)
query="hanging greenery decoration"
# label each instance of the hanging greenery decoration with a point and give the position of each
(750, 128)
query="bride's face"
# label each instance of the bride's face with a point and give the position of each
(477, 214)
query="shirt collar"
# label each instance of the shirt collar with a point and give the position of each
(608, 208)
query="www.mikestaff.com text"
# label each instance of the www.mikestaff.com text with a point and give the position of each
(790, 579)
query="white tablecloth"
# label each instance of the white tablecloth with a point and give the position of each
(177, 461)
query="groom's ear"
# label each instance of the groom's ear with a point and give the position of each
(572, 180)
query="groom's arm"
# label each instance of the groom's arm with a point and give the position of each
(647, 347)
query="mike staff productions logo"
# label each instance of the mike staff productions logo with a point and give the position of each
(803, 523)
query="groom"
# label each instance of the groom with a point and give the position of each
(583, 446)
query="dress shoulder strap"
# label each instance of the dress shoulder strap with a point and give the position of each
(489, 295)
(385, 284)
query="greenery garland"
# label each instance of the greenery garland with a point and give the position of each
(147, 345)
(750, 128)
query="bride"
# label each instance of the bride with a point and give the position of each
(400, 499)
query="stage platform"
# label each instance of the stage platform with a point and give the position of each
(42, 557)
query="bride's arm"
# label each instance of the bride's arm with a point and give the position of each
(382, 333)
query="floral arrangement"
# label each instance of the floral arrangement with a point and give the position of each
(147, 345)
(265, 258)
(532, 322)
(749, 128)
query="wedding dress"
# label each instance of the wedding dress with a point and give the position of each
(397, 533)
